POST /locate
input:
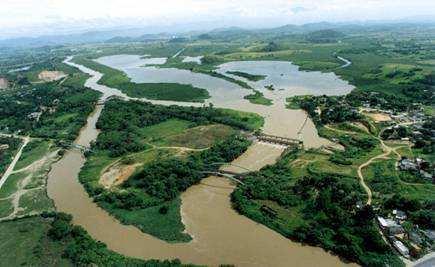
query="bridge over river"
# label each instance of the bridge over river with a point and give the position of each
(279, 140)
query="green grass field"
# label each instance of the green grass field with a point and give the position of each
(158, 133)
(180, 133)
(167, 226)
(35, 202)
(200, 137)
(24, 242)
(35, 150)
(385, 181)
(6, 208)
(11, 184)
(31, 182)
(254, 120)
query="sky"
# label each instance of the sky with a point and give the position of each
(36, 17)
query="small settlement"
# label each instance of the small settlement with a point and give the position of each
(418, 166)
(410, 243)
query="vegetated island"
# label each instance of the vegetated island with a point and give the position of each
(251, 77)
(258, 98)
(157, 91)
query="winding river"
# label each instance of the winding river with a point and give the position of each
(220, 235)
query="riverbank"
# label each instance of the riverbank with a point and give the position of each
(216, 235)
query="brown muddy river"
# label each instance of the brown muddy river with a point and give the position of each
(220, 235)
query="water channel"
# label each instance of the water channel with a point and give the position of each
(220, 235)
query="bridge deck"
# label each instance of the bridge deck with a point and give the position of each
(225, 174)
(279, 140)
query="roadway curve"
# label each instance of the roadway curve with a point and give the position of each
(346, 64)
(387, 151)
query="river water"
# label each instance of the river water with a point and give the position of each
(286, 78)
(220, 235)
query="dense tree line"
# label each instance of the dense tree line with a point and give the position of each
(328, 109)
(164, 179)
(82, 250)
(54, 102)
(394, 102)
(426, 141)
(121, 123)
(326, 205)
(336, 109)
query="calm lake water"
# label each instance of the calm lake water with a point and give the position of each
(286, 78)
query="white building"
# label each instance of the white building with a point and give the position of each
(401, 248)
(386, 223)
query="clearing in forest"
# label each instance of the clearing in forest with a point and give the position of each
(51, 76)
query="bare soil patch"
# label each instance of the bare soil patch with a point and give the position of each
(4, 84)
(117, 174)
(51, 76)
(379, 117)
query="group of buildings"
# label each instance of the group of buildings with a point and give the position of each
(419, 166)
(409, 243)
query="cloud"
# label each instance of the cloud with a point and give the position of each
(23, 14)
(299, 9)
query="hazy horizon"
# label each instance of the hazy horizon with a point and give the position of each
(31, 18)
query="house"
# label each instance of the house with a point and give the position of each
(430, 234)
(4, 146)
(401, 248)
(415, 238)
(34, 115)
(417, 134)
(396, 230)
(386, 223)
(415, 250)
(390, 226)
(400, 215)
(426, 175)
(407, 164)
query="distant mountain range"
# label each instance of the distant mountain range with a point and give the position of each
(142, 34)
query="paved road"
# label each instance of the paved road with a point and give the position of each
(427, 263)
(14, 161)
(346, 64)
